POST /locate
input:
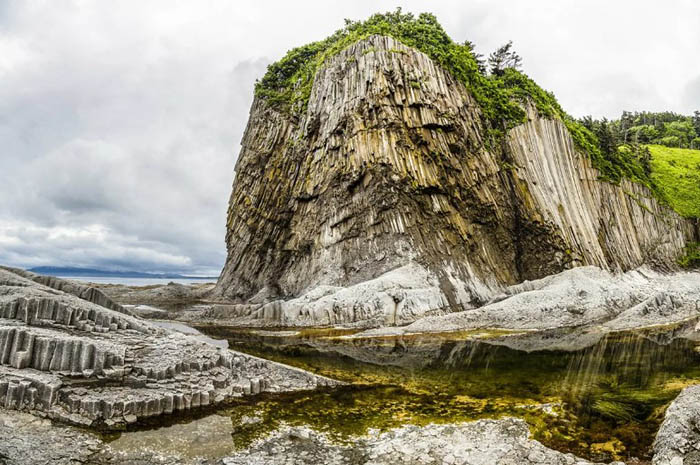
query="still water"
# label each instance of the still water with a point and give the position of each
(600, 396)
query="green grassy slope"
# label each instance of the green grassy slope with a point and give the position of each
(676, 172)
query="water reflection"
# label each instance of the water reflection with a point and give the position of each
(600, 396)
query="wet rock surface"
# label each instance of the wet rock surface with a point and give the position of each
(72, 360)
(484, 442)
(28, 440)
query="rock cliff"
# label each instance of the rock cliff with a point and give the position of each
(383, 201)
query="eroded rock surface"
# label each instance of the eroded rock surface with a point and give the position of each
(28, 440)
(73, 360)
(583, 296)
(484, 442)
(381, 203)
(678, 439)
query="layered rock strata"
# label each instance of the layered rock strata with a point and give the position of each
(382, 202)
(78, 289)
(70, 359)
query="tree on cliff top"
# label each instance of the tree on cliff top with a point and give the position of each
(503, 58)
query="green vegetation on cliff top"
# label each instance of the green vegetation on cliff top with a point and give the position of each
(288, 82)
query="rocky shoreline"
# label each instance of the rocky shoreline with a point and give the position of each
(67, 358)
(132, 362)
(27, 439)
(483, 442)
(580, 297)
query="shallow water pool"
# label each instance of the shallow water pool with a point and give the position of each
(600, 396)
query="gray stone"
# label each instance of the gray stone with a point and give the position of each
(484, 442)
(679, 433)
(45, 336)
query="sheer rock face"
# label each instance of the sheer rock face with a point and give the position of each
(387, 169)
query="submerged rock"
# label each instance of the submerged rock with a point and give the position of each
(74, 360)
(381, 203)
(484, 442)
(26, 439)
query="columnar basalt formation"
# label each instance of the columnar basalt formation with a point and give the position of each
(70, 359)
(388, 170)
(83, 291)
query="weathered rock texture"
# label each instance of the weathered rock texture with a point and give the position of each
(78, 289)
(484, 442)
(387, 170)
(73, 360)
(28, 440)
(678, 439)
(583, 297)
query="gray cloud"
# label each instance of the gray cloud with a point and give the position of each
(691, 95)
(120, 122)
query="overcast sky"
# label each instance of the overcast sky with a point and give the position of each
(120, 121)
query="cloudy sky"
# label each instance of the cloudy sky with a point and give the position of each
(120, 121)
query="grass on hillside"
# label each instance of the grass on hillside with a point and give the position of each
(676, 172)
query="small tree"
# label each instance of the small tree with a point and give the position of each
(606, 136)
(503, 58)
(480, 61)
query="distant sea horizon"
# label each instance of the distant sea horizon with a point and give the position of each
(137, 281)
(128, 278)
